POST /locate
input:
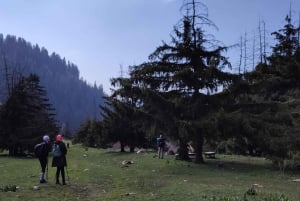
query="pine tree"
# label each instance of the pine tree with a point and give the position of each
(122, 123)
(285, 52)
(26, 116)
(265, 115)
(176, 87)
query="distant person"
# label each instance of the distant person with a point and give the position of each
(161, 146)
(41, 151)
(59, 161)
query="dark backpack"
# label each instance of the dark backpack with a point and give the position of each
(161, 142)
(56, 150)
(39, 149)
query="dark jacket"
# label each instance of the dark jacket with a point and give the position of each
(47, 149)
(42, 150)
(161, 142)
(60, 161)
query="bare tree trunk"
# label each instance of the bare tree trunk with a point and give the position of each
(11, 151)
(122, 147)
(253, 52)
(241, 55)
(299, 32)
(260, 42)
(131, 149)
(245, 53)
(183, 151)
(265, 54)
(199, 149)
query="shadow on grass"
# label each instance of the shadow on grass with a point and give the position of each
(240, 166)
(18, 157)
(119, 153)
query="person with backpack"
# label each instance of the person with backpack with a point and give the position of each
(59, 161)
(161, 146)
(41, 151)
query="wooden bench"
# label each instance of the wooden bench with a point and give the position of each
(210, 154)
(192, 155)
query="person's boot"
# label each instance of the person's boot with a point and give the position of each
(57, 178)
(42, 178)
(63, 178)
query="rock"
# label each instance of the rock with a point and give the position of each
(36, 188)
(140, 151)
(130, 194)
(257, 185)
(127, 162)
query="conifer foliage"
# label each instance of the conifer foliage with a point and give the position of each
(176, 86)
(25, 116)
(266, 113)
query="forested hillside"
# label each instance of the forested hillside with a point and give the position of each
(73, 99)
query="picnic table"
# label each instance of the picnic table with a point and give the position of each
(192, 155)
(207, 154)
(210, 154)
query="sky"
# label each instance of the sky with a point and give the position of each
(104, 37)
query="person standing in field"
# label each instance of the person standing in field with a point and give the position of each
(59, 161)
(41, 151)
(161, 146)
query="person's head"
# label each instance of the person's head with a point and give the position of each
(160, 135)
(46, 138)
(58, 138)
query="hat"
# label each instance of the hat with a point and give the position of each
(46, 138)
(58, 137)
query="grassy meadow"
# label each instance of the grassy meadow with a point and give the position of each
(99, 175)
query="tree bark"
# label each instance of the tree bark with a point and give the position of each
(183, 151)
(122, 147)
(199, 148)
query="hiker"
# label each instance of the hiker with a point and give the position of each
(41, 151)
(161, 146)
(59, 161)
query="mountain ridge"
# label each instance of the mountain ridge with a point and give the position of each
(72, 97)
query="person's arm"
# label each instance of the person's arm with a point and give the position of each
(64, 149)
(49, 147)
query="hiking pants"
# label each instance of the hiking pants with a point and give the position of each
(160, 152)
(43, 162)
(62, 171)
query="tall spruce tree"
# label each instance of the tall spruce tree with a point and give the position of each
(286, 52)
(90, 134)
(26, 116)
(265, 115)
(177, 86)
(123, 123)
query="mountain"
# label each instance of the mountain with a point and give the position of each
(73, 98)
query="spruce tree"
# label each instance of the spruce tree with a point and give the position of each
(178, 85)
(26, 116)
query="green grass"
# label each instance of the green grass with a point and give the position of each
(98, 175)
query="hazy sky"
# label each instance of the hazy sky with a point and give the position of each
(100, 36)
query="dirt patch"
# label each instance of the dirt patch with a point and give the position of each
(87, 192)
